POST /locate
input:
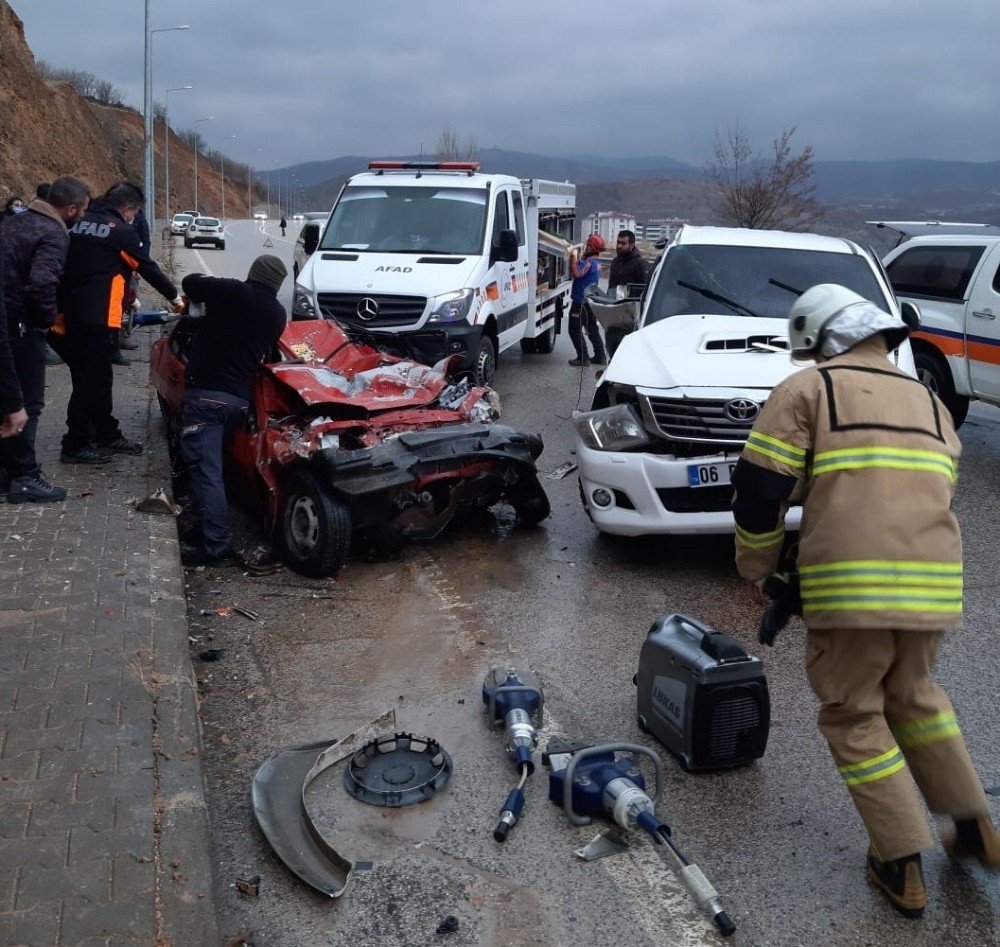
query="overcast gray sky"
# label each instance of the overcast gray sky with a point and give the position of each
(314, 79)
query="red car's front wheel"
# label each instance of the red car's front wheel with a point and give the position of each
(315, 528)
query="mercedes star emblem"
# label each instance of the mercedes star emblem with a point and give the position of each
(741, 410)
(368, 309)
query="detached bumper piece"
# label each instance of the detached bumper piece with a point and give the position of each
(279, 806)
(466, 464)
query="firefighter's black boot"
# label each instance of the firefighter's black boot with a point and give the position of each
(975, 838)
(901, 881)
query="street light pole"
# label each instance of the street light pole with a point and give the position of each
(197, 209)
(148, 177)
(166, 146)
(222, 156)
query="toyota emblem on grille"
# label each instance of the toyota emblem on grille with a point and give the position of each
(367, 309)
(741, 410)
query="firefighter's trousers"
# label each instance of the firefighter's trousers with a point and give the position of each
(892, 730)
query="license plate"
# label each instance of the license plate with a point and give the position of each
(710, 475)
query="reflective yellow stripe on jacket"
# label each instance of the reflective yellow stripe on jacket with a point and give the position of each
(878, 767)
(893, 458)
(759, 540)
(883, 585)
(771, 447)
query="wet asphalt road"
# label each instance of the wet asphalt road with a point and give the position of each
(779, 839)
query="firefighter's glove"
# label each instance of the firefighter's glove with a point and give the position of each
(783, 590)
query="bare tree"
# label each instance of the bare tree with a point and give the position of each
(449, 148)
(107, 93)
(776, 192)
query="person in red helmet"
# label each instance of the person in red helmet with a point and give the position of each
(586, 273)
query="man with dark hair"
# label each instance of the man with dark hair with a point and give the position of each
(104, 252)
(42, 191)
(242, 322)
(628, 266)
(34, 247)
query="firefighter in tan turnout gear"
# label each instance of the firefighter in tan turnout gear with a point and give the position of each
(872, 456)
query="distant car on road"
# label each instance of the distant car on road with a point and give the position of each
(179, 224)
(205, 230)
(260, 215)
(298, 216)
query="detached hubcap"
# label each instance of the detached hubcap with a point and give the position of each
(303, 524)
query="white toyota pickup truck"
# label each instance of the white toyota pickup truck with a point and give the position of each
(952, 271)
(673, 409)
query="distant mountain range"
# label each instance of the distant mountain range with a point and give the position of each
(834, 179)
(654, 186)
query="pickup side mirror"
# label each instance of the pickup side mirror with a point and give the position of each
(634, 291)
(910, 314)
(505, 249)
(310, 238)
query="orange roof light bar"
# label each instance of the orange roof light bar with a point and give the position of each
(468, 166)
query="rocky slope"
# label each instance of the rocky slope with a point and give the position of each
(48, 129)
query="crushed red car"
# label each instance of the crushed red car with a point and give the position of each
(343, 441)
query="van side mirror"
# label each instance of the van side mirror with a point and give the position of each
(910, 314)
(634, 291)
(505, 249)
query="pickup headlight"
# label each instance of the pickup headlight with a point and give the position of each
(304, 304)
(451, 307)
(617, 428)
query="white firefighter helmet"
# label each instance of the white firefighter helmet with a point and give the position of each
(810, 317)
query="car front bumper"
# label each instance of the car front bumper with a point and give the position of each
(651, 494)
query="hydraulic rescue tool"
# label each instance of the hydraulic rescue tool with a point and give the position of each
(515, 701)
(606, 780)
(701, 695)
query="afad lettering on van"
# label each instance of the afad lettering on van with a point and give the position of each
(90, 229)
(393, 269)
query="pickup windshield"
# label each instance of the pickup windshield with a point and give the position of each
(751, 281)
(408, 220)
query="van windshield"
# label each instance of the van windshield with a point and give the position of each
(408, 220)
(708, 279)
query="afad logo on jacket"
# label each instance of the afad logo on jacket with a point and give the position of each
(89, 228)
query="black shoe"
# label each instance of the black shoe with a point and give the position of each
(599, 360)
(198, 556)
(123, 446)
(901, 881)
(577, 362)
(86, 455)
(119, 359)
(34, 489)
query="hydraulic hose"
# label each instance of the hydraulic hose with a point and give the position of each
(512, 807)
(699, 887)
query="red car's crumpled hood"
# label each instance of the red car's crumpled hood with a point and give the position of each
(330, 369)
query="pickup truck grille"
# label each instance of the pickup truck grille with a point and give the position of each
(701, 420)
(392, 310)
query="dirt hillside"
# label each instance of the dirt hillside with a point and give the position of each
(48, 129)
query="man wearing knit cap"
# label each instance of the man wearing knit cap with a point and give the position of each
(242, 322)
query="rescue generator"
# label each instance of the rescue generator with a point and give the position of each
(702, 695)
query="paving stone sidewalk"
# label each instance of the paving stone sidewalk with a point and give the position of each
(103, 823)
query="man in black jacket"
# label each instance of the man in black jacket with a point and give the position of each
(242, 322)
(13, 417)
(104, 252)
(34, 246)
(628, 266)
